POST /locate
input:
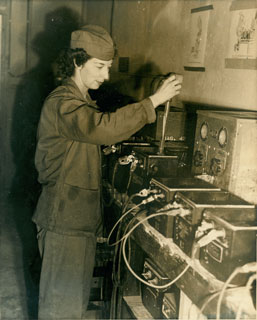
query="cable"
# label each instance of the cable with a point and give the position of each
(112, 186)
(141, 193)
(116, 276)
(247, 288)
(212, 235)
(133, 167)
(233, 274)
(111, 19)
(249, 267)
(129, 267)
(126, 203)
(213, 296)
(149, 199)
(120, 161)
(119, 220)
(129, 180)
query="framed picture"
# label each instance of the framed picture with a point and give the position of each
(243, 34)
(198, 36)
(242, 44)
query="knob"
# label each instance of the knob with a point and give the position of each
(141, 163)
(198, 158)
(154, 281)
(215, 166)
(147, 275)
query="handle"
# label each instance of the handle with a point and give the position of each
(164, 124)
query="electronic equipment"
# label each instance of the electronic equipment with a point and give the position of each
(115, 169)
(192, 206)
(170, 306)
(172, 163)
(236, 248)
(168, 187)
(153, 298)
(142, 161)
(225, 151)
(175, 127)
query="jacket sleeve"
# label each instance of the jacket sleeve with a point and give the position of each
(84, 123)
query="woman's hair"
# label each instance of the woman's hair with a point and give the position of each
(67, 58)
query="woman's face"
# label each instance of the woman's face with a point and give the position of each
(92, 73)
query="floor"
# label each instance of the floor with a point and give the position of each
(20, 263)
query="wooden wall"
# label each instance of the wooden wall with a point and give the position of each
(153, 34)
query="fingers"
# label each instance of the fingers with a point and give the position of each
(170, 87)
(178, 87)
(171, 81)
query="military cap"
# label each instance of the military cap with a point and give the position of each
(95, 40)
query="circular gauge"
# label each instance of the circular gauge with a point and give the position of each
(204, 131)
(223, 137)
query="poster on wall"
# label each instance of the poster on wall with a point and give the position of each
(243, 34)
(198, 36)
(242, 44)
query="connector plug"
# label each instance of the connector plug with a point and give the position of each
(143, 193)
(126, 159)
(249, 267)
(211, 236)
(153, 198)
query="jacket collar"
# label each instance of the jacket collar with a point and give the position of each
(75, 89)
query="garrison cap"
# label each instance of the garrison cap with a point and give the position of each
(95, 40)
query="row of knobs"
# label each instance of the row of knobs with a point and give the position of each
(215, 166)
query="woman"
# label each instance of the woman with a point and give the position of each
(70, 133)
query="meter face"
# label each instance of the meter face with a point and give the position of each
(204, 131)
(223, 137)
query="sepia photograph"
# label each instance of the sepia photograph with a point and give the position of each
(128, 134)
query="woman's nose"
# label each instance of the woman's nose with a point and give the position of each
(105, 73)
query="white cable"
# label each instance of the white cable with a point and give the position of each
(233, 274)
(212, 235)
(215, 295)
(120, 219)
(127, 263)
(150, 199)
(249, 267)
(247, 288)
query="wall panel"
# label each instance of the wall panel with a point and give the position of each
(156, 34)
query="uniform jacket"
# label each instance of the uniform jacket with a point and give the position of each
(70, 133)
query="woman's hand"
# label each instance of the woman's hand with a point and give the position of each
(170, 88)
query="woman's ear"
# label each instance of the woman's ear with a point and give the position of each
(76, 66)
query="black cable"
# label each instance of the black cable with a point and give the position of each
(111, 18)
(107, 205)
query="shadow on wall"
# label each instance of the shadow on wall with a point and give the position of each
(31, 92)
(126, 88)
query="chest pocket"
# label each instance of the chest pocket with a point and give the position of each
(82, 166)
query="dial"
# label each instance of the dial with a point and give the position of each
(204, 131)
(223, 137)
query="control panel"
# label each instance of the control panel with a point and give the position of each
(170, 186)
(169, 164)
(214, 143)
(225, 150)
(170, 305)
(152, 298)
(192, 206)
(233, 247)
